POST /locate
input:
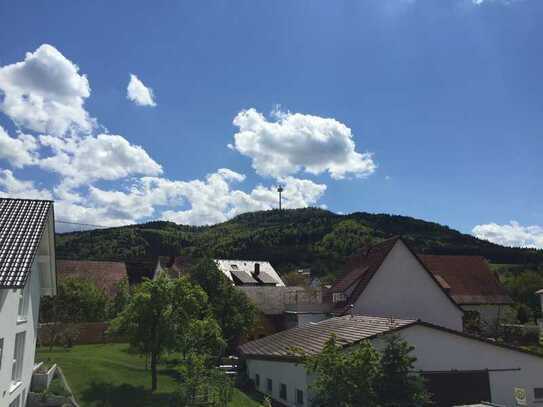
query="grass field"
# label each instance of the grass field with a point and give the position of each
(109, 375)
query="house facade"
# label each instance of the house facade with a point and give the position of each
(459, 369)
(27, 271)
(474, 287)
(390, 279)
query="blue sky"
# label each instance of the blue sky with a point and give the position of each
(442, 99)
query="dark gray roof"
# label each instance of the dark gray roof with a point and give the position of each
(22, 222)
(244, 277)
(311, 338)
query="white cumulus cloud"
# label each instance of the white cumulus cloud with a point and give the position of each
(101, 157)
(138, 93)
(45, 93)
(18, 151)
(12, 187)
(512, 234)
(296, 142)
(103, 179)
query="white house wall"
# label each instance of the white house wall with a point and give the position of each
(9, 302)
(402, 288)
(442, 351)
(291, 374)
(490, 315)
(10, 326)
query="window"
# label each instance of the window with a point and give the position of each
(24, 294)
(538, 393)
(269, 385)
(257, 381)
(299, 397)
(18, 355)
(1, 351)
(283, 391)
(16, 402)
(338, 297)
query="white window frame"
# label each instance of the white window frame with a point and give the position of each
(338, 297)
(18, 359)
(1, 352)
(24, 300)
(16, 402)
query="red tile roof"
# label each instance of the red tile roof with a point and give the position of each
(469, 279)
(105, 274)
(362, 267)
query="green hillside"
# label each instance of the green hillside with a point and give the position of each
(290, 239)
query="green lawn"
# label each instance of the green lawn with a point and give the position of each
(110, 375)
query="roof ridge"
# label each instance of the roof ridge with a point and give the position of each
(6, 198)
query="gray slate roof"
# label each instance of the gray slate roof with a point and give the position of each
(311, 338)
(22, 222)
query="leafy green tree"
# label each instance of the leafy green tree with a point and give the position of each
(121, 299)
(158, 314)
(77, 300)
(399, 386)
(202, 383)
(203, 336)
(344, 379)
(361, 376)
(522, 287)
(232, 309)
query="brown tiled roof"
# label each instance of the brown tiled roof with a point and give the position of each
(311, 338)
(362, 268)
(22, 222)
(348, 330)
(105, 274)
(469, 279)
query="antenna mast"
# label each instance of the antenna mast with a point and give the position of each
(280, 190)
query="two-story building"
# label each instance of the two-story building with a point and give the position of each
(27, 271)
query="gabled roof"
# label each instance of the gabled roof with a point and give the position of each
(363, 264)
(362, 267)
(468, 279)
(22, 223)
(349, 330)
(106, 275)
(244, 271)
(311, 338)
(539, 292)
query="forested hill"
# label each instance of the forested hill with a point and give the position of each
(288, 239)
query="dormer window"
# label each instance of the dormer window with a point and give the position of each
(338, 297)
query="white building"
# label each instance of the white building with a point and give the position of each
(390, 280)
(27, 271)
(250, 273)
(459, 369)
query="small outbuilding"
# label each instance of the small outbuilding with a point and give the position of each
(459, 368)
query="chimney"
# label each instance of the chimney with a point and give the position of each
(257, 269)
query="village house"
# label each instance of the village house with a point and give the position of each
(27, 271)
(106, 275)
(390, 279)
(459, 368)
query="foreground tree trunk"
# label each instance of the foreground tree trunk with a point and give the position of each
(153, 371)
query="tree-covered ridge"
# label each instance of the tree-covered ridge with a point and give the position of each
(289, 239)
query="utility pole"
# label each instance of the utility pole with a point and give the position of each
(280, 190)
